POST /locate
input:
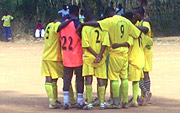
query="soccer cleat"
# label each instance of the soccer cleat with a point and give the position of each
(66, 107)
(125, 105)
(102, 106)
(88, 107)
(113, 106)
(133, 104)
(79, 106)
(56, 106)
(96, 102)
(110, 101)
(73, 105)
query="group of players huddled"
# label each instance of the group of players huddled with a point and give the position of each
(116, 48)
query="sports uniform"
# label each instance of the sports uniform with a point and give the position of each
(119, 29)
(94, 38)
(72, 60)
(51, 64)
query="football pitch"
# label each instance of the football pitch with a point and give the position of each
(22, 87)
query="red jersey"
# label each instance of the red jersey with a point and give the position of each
(39, 26)
(71, 46)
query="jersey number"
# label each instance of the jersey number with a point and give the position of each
(122, 31)
(65, 40)
(48, 33)
(97, 41)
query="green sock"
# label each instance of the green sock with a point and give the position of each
(124, 90)
(135, 90)
(120, 93)
(89, 94)
(50, 93)
(55, 91)
(115, 86)
(101, 91)
(98, 90)
(71, 95)
(111, 93)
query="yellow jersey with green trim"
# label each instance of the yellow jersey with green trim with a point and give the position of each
(7, 20)
(95, 38)
(119, 29)
(52, 49)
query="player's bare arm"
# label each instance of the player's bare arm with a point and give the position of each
(143, 29)
(64, 24)
(126, 44)
(91, 51)
(90, 23)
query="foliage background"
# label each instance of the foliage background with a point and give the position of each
(164, 14)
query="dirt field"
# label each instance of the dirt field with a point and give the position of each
(22, 87)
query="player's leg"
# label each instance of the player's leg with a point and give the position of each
(101, 91)
(80, 86)
(135, 85)
(88, 84)
(51, 75)
(124, 82)
(68, 73)
(113, 74)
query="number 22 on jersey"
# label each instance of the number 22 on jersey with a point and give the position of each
(66, 42)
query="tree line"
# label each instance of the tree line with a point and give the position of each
(164, 14)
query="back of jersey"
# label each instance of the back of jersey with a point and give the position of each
(95, 38)
(71, 46)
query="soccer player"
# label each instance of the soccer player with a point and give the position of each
(94, 43)
(72, 57)
(52, 67)
(6, 19)
(136, 56)
(148, 53)
(119, 29)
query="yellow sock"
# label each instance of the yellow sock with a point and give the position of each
(101, 91)
(55, 90)
(71, 96)
(49, 91)
(89, 94)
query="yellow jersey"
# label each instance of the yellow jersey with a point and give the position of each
(119, 29)
(95, 38)
(7, 20)
(52, 49)
(148, 52)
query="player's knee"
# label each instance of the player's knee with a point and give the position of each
(88, 80)
(100, 82)
(48, 79)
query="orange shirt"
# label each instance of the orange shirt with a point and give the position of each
(71, 46)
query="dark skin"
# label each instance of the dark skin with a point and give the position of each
(64, 24)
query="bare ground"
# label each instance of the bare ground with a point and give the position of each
(22, 87)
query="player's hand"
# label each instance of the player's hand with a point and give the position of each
(98, 59)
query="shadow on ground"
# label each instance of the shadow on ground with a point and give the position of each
(15, 102)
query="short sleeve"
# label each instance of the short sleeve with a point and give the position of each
(106, 41)
(56, 26)
(134, 31)
(146, 24)
(85, 41)
(105, 24)
(11, 17)
(146, 40)
(130, 41)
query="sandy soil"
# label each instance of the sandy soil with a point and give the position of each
(22, 87)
